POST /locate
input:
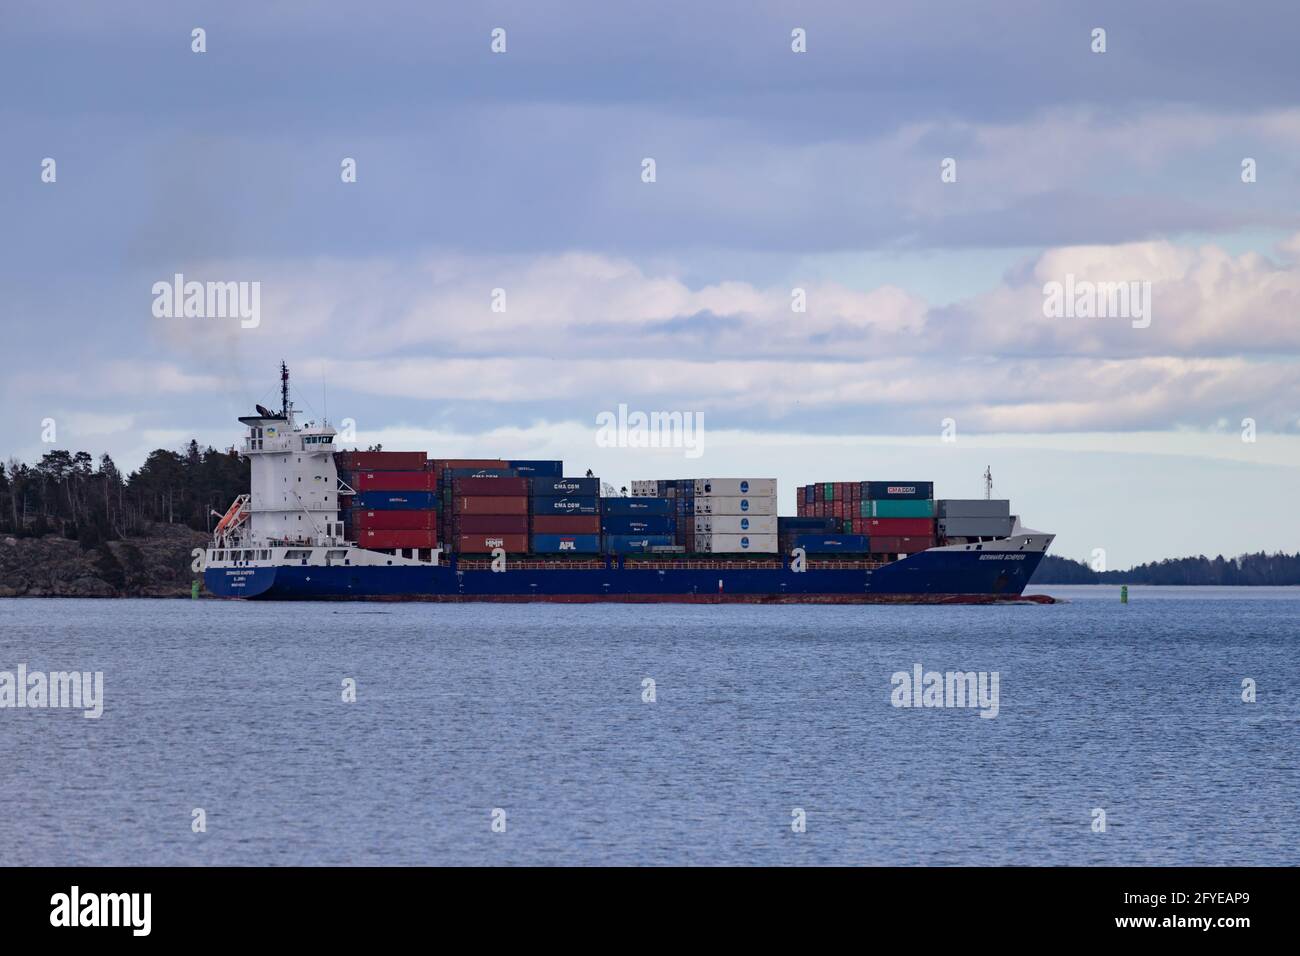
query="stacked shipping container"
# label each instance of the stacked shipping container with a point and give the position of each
(395, 505)
(735, 515)
(564, 512)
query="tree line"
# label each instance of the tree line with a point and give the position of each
(67, 493)
(1279, 569)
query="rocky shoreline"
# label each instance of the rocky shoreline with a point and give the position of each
(153, 565)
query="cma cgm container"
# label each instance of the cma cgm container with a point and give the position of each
(735, 487)
(537, 469)
(399, 520)
(637, 524)
(515, 487)
(389, 500)
(551, 487)
(380, 460)
(566, 544)
(735, 543)
(489, 505)
(566, 505)
(899, 526)
(974, 508)
(832, 543)
(486, 543)
(375, 538)
(566, 524)
(896, 508)
(735, 506)
(635, 543)
(393, 481)
(736, 524)
(636, 506)
(876, 490)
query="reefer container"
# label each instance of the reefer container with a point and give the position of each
(736, 524)
(566, 505)
(974, 508)
(877, 490)
(489, 505)
(491, 524)
(389, 500)
(896, 544)
(896, 508)
(393, 481)
(397, 539)
(566, 524)
(515, 487)
(634, 543)
(484, 543)
(566, 544)
(827, 543)
(403, 520)
(636, 506)
(380, 460)
(735, 543)
(899, 526)
(735, 506)
(637, 524)
(538, 469)
(552, 487)
(975, 527)
(735, 487)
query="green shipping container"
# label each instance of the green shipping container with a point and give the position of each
(897, 508)
(828, 491)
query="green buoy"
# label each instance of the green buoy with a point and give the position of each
(1123, 594)
(194, 590)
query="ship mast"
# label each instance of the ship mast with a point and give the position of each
(988, 482)
(284, 389)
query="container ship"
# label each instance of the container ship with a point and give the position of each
(320, 523)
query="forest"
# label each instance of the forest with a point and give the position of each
(1247, 569)
(69, 494)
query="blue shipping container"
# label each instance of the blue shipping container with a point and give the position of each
(821, 543)
(551, 487)
(635, 543)
(566, 505)
(537, 469)
(794, 525)
(638, 524)
(449, 473)
(636, 506)
(883, 490)
(566, 544)
(395, 500)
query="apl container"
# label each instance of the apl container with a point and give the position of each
(566, 543)
(390, 500)
(566, 505)
(553, 487)
(877, 490)
(636, 506)
(896, 508)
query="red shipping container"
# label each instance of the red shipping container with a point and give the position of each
(442, 463)
(839, 509)
(900, 526)
(490, 486)
(885, 544)
(485, 543)
(566, 524)
(393, 481)
(491, 524)
(394, 520)
(397, 539)
(383, 460)
(490, 505)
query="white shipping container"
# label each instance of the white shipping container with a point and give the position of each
(736, 543)
(736, 487)
(735, 506)
(645, 489)
(735, 524)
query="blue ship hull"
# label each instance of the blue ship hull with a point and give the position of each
(935, 575)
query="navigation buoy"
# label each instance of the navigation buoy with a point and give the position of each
(194, 590)
(1123, 594)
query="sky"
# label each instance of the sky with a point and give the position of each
(927, 348)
